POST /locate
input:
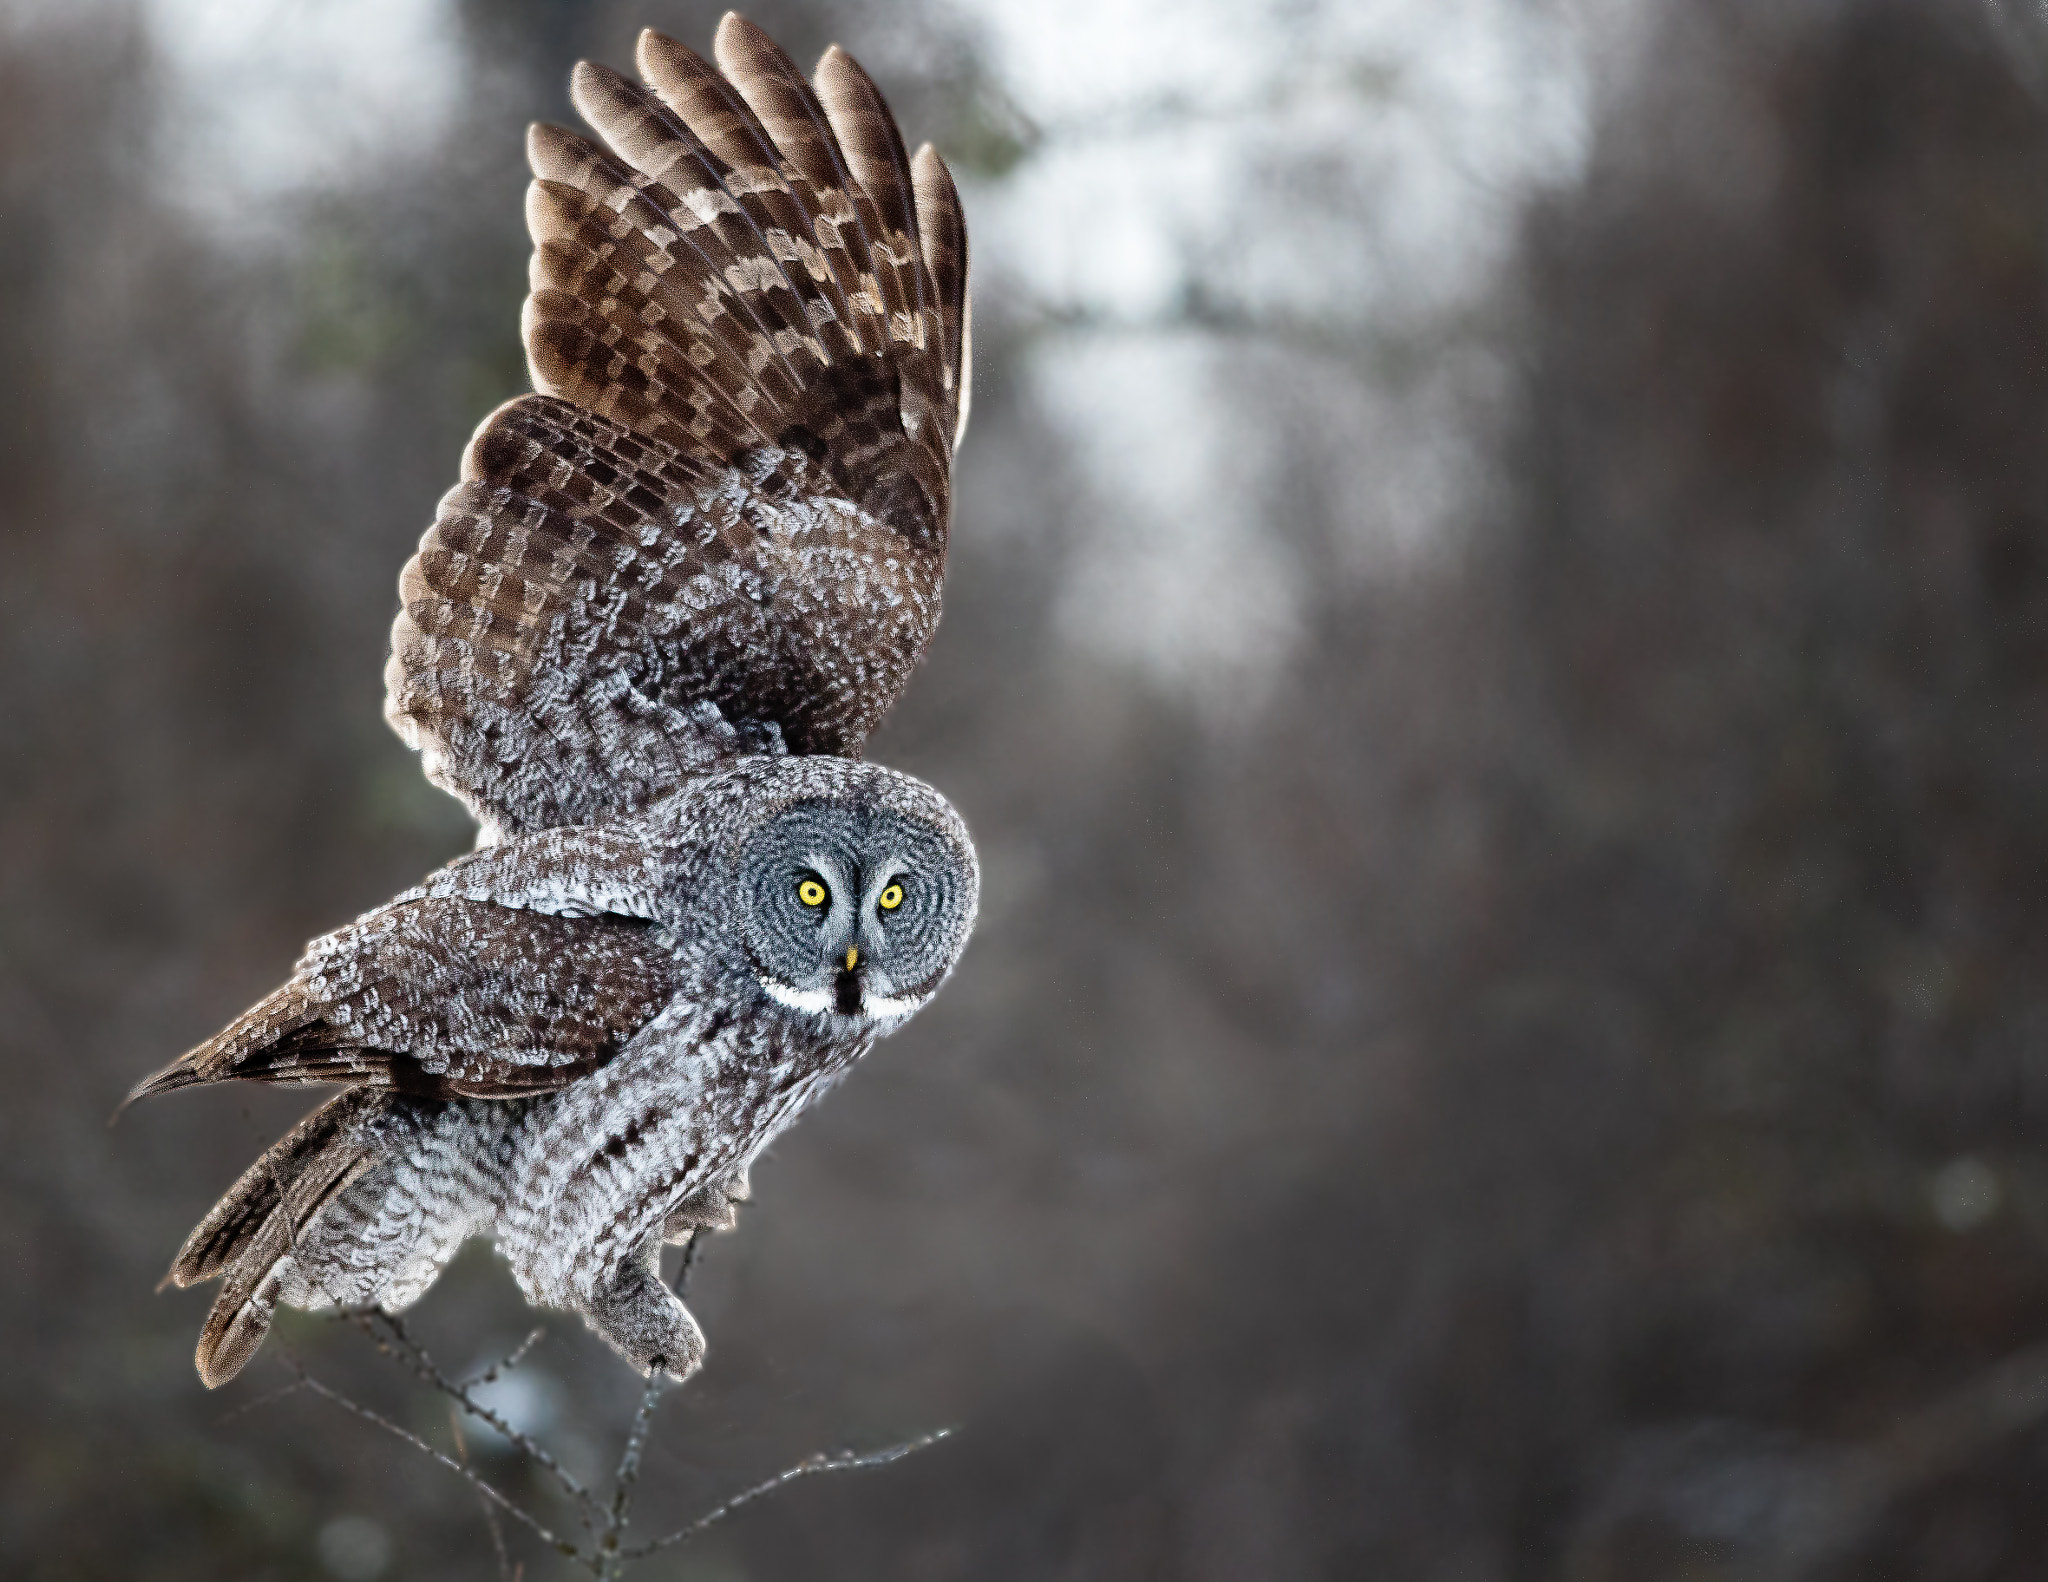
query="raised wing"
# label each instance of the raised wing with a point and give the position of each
(445, 996)
(720, 525)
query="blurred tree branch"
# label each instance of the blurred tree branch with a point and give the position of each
(1845, 1503)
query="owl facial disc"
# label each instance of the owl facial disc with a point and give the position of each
(856, 910)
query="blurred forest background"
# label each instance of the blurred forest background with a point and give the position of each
(1497, 650)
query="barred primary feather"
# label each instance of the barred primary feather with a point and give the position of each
(942, 228)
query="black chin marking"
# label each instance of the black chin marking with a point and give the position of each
(846, 990)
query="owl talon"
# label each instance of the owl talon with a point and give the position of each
(646, 1323)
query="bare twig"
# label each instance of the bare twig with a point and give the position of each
(636, 1439)
(490, 1511)
(264, 1399)
(841, 1461)
(489, 1491)
(629, 1472)
(414, 1356)
(506, 1363)
(608, 1554)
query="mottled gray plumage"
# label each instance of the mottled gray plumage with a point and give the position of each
(643, 642)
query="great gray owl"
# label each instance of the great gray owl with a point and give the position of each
(643, 642)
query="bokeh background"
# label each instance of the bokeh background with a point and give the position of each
(1497, 651)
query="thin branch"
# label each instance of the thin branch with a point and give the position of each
(265, 1399)
(506, 1363)
(489, 1491)
(842, 1461)
(490, 1511)
(629, 1462)
(629, 1470)
(409, 1351)
(608, 1556)
(636, 1440)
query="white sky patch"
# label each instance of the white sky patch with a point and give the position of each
(1321, 179)
(1346, 158)
(1168, 585)
(270, 97)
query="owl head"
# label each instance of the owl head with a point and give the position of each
(856, 888)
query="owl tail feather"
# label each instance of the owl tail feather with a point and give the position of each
(249, 1236)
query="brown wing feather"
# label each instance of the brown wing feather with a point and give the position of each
(447, 997)
(942, 228)
(790, 113)
(763, 186)
(587, 625)
(720, 526)
(286, 1174)
(258, 1221)
(724, 219)
(862, 193)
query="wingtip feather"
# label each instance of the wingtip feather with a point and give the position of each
(231, 1337)
(180, 1073)
(734, 32)
(655, 49)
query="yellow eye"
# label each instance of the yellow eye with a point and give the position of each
(890, 898)
(811, 893)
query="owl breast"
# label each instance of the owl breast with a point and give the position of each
(593, 1171)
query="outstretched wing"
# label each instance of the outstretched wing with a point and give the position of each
(719, 526)
(445, 996)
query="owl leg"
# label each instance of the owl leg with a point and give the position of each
(641, 1319)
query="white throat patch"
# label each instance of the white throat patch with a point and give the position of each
(890, 1007)
(814, 1002)
(824, 1002)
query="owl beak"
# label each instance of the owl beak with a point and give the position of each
(852, 958)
